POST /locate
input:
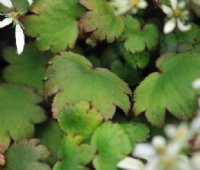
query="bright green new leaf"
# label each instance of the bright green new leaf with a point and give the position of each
(101, 21)
(72, 79)
(170, 89)
(73, 154)
(28, 68)
(112, 144)
(18, 113)
(50, 135)
(80, 119)
(54, 23)
(26, 155)
(138, 37)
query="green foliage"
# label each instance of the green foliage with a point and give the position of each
(26, 155)
(74, 154)
(18, 113)
(72, 78)
(54, 23)
(100, 20)
(155, 95)
(30, 64)
(81, 119)
(138, 37)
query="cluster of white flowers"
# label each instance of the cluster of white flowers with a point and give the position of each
(180, 152)
(13, 17)
(124, 6)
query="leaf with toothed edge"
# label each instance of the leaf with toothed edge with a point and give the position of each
(72, 78)
(26, 155)
(18, 113)
(54, 23)
(73, 154)
(170, 89)
(101, 21)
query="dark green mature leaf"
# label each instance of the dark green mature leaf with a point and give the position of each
(101, 21)
(54, 23)
(170, 89)
(112, 144)
(26, 155)
(73, 79)
(139, 37)
(50, 135)
(18, 113)
(28, 68)
(74, 155)
(80, 119)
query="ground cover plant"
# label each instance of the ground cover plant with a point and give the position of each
(99, 84)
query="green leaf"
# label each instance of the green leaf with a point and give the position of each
(26, 155)
(112, 144)
(20, 5)
(72, 79)
(28, 68)
(172, 41)
(54, 23)
(74, 155)
(137, 132)
(50, 135)
(80, 119)
(101, 21)
(138, 37)
(170, 89)
(18, 113)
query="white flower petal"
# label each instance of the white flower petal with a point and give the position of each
(170, 131)
(183, 27)
(6, 3)
(169, 26)
(131, 164)
(142, 4)
(20, 39)
(195, 161)
(181, 4)
(144, 150)
(174, 4)
(30, 2)
(6, 22)
(167, 10)
(196, 84)
(159, 141)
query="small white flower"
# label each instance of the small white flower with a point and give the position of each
(13, 18)
(124, 6)
(178, 15)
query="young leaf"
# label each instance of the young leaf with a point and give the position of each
(50, 135)
(73, 154)
(18, 113)
(170, 89)
(28, 68)
(112, 144)
(101, 21)
(138, 37)
(54, 23)
(72, 79)
(80, 119)
(26, 155)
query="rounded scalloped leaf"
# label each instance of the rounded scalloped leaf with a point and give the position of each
(26, 155)
(18, 113)
(112, 145)
(54, 23)
(50, 135)
(170, 89)
(72, 78)
(28, 68)
(73, 154)
(80, 119)
(101, 21)
(138, 37)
